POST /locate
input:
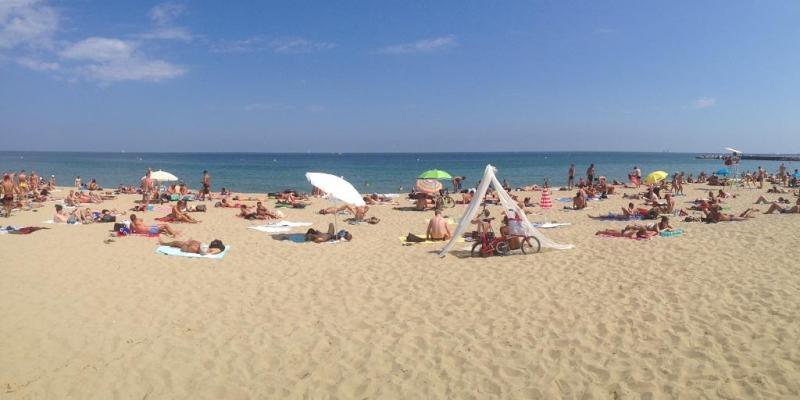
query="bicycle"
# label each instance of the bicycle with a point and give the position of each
(443, 200)
(490, 245)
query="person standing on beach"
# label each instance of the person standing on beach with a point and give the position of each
(147, 187)
(457, 183)
(571, 177)
(590, 175)
(8, 189)
(206, 191)
(782, 174)
(22, 183)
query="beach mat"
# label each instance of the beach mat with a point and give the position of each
(550, 225)
(50, 221)
(270, 229)
(173, 251)
(675, 233)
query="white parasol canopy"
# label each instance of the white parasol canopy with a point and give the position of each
(162, 176)
(336, 188)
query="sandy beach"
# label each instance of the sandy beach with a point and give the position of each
(710, 314)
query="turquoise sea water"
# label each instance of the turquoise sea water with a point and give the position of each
(369, 172)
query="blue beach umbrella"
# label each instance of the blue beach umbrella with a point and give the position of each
(723, 172)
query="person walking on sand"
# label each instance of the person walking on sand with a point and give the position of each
(571, 177)
(206, 190)
(590, 175)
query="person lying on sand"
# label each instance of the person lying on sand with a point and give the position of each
(781, 210)
(225, 204)
(630, 231)
(193, 246)
(138, 226)
(179, 214)
(714, 214)
(776, 189)
(437, 230)
(313, 235)
(763, 200)
(63, 217)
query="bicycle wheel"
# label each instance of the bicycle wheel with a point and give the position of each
(477, 250)
(502, 248)
(448, 202)
(530, 245)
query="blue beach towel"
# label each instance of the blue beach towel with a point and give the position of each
(675, 233)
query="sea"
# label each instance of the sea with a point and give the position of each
(368, 172)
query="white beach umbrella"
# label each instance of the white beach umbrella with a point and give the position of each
(336, 188)
(162, 176)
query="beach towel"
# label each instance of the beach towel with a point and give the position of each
(19, 231)
(50, 221)
(675, 233)
(270, 229)
(406, 243)
(550, 225)
(572, 209)
(288, 224)
(617, 217)
(300, 238)
(174, 251)
(150, 235)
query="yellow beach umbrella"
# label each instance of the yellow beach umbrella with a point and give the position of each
(656, 177)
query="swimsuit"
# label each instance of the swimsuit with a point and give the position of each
(154, 229)
(203, 248)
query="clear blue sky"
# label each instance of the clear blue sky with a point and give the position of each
(400, 75)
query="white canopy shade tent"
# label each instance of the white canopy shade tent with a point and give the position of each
(508, 204)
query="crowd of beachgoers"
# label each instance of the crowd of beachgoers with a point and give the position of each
(653, 199)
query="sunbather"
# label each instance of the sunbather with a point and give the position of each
(178, 213)
(193, 246)
(138, 226)
(313, 235)
(784, 210)
(630, 231)
(437, 230)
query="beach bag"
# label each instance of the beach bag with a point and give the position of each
(119, 226)
(200, 208)
(108, 218)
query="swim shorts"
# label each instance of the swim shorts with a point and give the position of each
(154, 230)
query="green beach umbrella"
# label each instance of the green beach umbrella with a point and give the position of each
(435, 174)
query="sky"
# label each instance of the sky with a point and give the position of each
(386, 76)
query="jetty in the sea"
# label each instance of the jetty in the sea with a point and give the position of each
(765, 157)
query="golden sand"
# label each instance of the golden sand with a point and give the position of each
(711, 314)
